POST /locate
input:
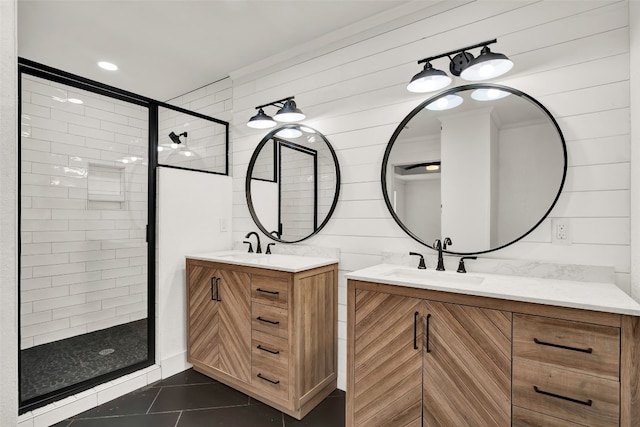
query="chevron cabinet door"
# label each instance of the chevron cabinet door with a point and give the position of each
(203, 344)
(467, 366)
(388, 360)
(234, 288)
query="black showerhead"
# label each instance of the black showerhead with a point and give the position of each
(176, 138)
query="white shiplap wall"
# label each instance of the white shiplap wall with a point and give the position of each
(573, 56)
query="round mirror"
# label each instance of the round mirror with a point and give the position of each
(482, 164)
(293, 182)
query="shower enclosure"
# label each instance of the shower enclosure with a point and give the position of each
(88, 156)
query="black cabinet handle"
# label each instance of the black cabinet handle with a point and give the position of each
(546, 393)
(268, 292)
(260, 347)
(427, 333)
(415, 330)
(213, 284)
(582, 350)
(267, 379)
(277, 322)
(218, 289)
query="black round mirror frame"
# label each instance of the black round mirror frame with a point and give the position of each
(248, 178)
(419, 108)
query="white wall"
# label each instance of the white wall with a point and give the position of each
(8, 214)
(356, 96)
(193, 209)
(84, 212)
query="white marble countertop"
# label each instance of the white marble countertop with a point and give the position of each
(280, 262)
(595, 296)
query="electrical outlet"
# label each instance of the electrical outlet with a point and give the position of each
(560, 231)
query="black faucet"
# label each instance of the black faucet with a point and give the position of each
(440, 246)
(461, 268)
(258, 247)
(421, 265)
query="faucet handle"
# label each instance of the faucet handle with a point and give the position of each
(250, 246)
(268, 251)
(461, 268)
(421, 265)
(446, 241)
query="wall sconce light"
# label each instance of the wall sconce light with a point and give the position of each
(288, 112)
(486, 66)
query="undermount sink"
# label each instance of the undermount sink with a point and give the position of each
(431, 276)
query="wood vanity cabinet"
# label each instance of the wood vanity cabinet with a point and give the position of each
(420, 362)
(267, 333)
(417, 357)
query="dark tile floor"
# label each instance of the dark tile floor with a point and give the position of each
(190, 399)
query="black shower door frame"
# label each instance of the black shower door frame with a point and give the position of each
(29, 67)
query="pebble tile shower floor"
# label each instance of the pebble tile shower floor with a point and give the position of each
(49, 367)
(190, 399)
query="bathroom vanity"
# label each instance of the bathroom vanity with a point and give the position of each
(439, 348)
(265, 325)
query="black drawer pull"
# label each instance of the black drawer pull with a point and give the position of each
(546, 393)
(268, 292)
(267, 379)
(268, 350)
(582, 350)
(277, 322)
(415, 330)
(427, 333)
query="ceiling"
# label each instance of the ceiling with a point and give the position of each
(167, 48)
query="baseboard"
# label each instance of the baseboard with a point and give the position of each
(174, 364)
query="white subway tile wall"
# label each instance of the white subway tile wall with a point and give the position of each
(84, 210)
(204, 147)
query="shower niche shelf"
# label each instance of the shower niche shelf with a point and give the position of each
(105, 186)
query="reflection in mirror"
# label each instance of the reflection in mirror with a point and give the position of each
(484, 170)
(292, 184)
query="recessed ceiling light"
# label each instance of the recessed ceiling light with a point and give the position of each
(75, 101)
(107, 65)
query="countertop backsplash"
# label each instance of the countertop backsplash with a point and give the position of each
(293, 249)
(510, 267)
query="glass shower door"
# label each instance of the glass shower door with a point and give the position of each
(84, 278)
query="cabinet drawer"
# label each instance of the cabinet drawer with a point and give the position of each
(270, 349)
(583, 347)
(269, 319)
(525, 418)
(269, 290)
(272, 378)
(564, 394)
